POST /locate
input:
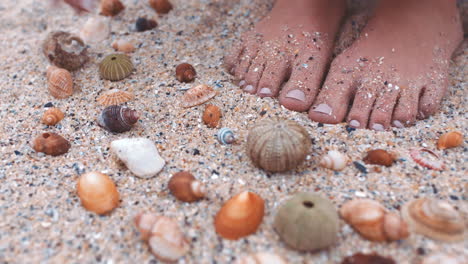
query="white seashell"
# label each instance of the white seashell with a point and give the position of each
(439, 258)
(123, 46)
(261, 258)
(95, 30)
(334, 160)
(140, 155)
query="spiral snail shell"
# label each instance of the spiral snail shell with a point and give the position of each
(65, 50)
(115, 67)
(52, 116)
(185, 187)
(60, 82)
(226, 136)
(334, 160)
(185, 73)
(277, 145)
(51, 144)
(118, 119)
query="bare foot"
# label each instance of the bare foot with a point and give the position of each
(396, 71)
(291, 47)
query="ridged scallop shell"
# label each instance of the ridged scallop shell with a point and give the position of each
(123, 46)
(114, 97)
(334, 160)
(277, 145)
(197, 95)
(111, 7)
(226, 136)
(65, 50)
(60, 82)
(51, 144)
(118, 119)
(52, 116)
(185, 187)
(450, 140)
(261, 258)
(427, 158)
(96, 29)
(435, 219)
(115, 67)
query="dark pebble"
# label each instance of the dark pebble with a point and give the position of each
(196, 152)
(360, 167)
(18, 153)
(262, 113)
(421, 251)
(350, 129)
(453, 197)
(320, 125)
(143, 24)
(49, 104)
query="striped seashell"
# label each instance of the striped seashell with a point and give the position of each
(52, 116)
(118, 119)
(427, 158)
(115, 97)
(334, 160)
(60, 82)
(226, 136)
(115, 67)
(197, 95)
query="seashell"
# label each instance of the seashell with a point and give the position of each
(115, 67)
(372, 221)
(226, 136)
(185, 187)
(334, 160)
(435, 219)
(163, 235)
(440, 258)
(97, 192)
(65, 50)
(307, 222)
(140, 155)
(278, 145)
(143, 24)
(360, 258)
(197, 95)
(161, 6)
(240, 216)
(123, 46)
(261, 258)
(427, 158)
(60, 82)
(115, 97)
(96, 29)
(185, 73)
(211, 116)
(379, 157)
(52, 116)
(450, 140)
(80, 5)
(111, 7)
(51, 144)
(117, 119)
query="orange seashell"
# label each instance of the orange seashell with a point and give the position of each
(115, 97)
(240, 216)
(123, 46)
(185, 187)
(185, 72)
(52, 116)
(97, 192)
(51, 144)
(211, 116)
(427, 158)
(450, 140)
(161, 6)
(60, 82)
(197, 95)
(111, 7)
(379, 157)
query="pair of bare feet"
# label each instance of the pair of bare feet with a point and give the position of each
(396, 72)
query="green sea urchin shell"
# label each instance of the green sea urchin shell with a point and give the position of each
(307, 222)
(115, 67)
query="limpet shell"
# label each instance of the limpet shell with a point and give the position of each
(60, 82)
(450, 140)
(435, 219)
(51, 144)
(226, 136)
(211, 116)
(115, 97)
(276, 145)
(97, 192)
(334, 160)
(52, 116)
(65, 50)
(115, 67)
(111, 7)
(96, 29)
(379, 157)
(197, 95)
(427, 158)
(118, 119)
(261, 258)
(185, 187)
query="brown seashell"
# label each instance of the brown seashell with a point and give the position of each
(52, 116)
(450, 140)
(163, 235)
(261, 258)
(115, 97)
(60, 82)
(427, 158)
(111, 7)
(185, 73)
(197, 95)
(379, 157)
(97, 192)
(211, 116)
(65, 50)
(118, 119)
(440, 258)
(161, 6)
(435, 219)
(123, 46)
(143, 24)
(277, 145)
(51, 144)
(372, 221)
(240, 216)
(185, 187)
(360, 258)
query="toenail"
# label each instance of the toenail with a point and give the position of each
(265, 91)
(241, 83)
(296, 94)
(378, 127)
(354, 123)
(398, 124)
(249, 88)
(323, 108)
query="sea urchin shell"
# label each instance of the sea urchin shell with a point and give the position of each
(115, 67)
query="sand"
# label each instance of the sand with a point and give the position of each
(42, 220)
